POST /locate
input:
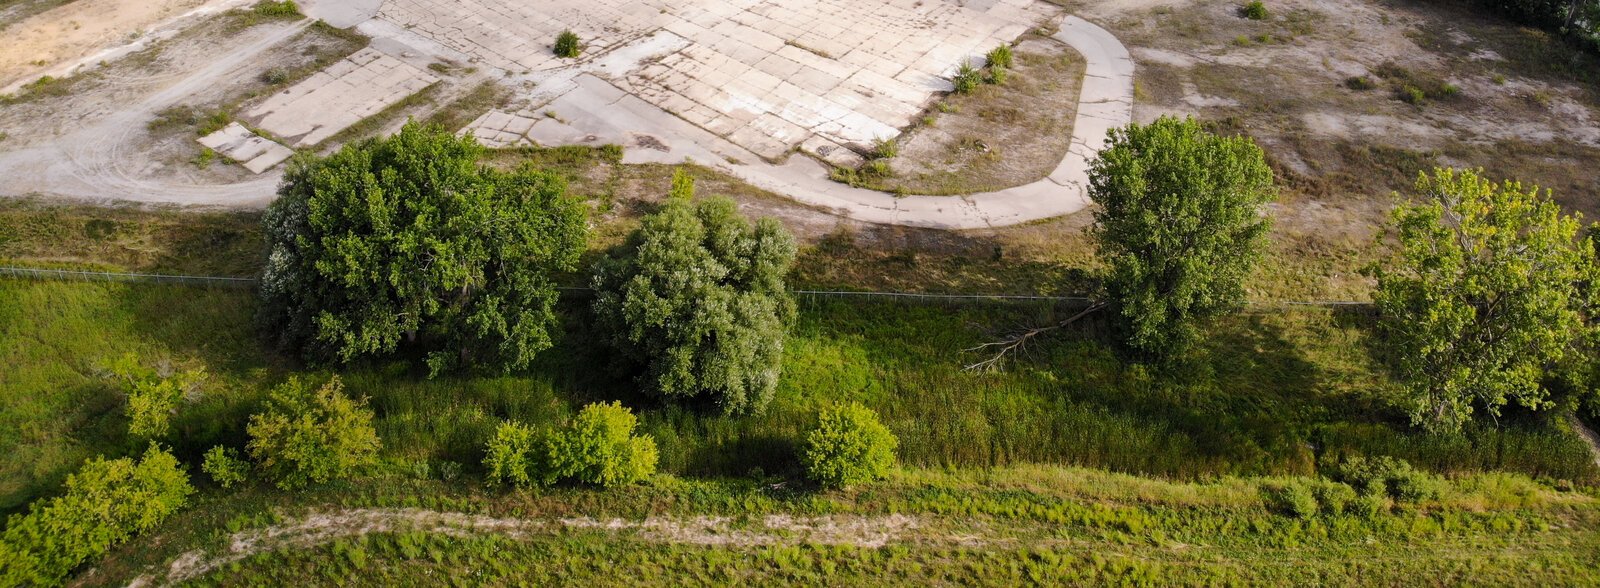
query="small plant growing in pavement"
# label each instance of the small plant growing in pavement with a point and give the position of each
(1000, 56)
(966, 79)
(849, 446)
(1255, 11)
(885, 148)
(568, 45)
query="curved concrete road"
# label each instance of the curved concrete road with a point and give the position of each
(1106, 102)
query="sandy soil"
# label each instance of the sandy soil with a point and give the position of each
(80, 29)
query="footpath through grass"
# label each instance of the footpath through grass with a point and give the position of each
(1267, 394)
(1013, 526)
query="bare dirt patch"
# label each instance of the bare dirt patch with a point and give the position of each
(998, 136)
(77, 30)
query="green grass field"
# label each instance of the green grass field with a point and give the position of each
(1028, 525)
(1268, 394)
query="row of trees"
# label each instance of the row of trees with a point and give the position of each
(410, 241)
(1492, 297)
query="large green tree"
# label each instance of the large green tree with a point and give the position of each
(409, 238)
(1179, 225)
(696, 297)
(1486, 292)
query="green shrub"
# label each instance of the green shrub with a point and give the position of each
(506, 459)
(849, 446)
(1000, 57)
(1294, 498)
(1368, 505)
(105, 503)
(225, 466)
(312, 435)
(966, 79)
(568, 45)
(598, 447)
(1255, 10)
(1388, 476)
(1334, 497)
(153, 395)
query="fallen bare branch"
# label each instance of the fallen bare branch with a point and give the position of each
(1010, 345)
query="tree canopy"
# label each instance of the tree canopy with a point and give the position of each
(409, 238)
(1179, 225)
(696, 297)
(1486, 292)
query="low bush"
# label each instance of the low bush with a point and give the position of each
(1334, 497)
(1360, 83)
(505, 461)
(568, 45)
(311, 435)
(885, 148)
(153, 394)
(597, 447)
(1295, 499)
(997, 76)
(1368, 505)
(105, 503)
(225, 467)
(848, 446)
(1387, 476)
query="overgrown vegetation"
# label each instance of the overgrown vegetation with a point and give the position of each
(105, 503)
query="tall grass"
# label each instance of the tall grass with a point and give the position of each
(1267, 393)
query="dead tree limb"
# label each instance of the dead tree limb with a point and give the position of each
(1017, 342)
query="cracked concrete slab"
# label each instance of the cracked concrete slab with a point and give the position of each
(767, 75)
(339, 96)
(255, 153)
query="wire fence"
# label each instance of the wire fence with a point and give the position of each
(236, 282)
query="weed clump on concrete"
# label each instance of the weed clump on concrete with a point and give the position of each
(1000, 56)
(1255, 10)
(568, 45)
(1360, 83)
(966, 79)
(278, 9)
(885, 148)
